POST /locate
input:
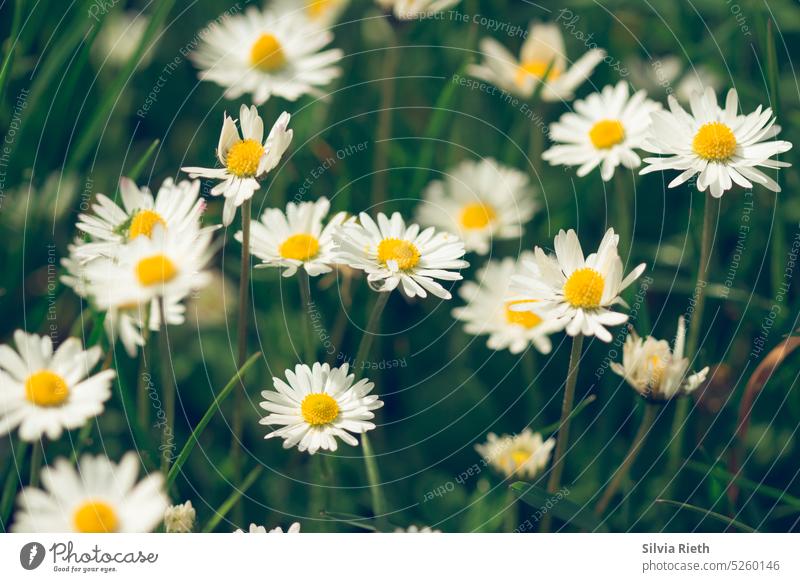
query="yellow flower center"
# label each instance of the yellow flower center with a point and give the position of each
(95, 517)
(156, 269)
(606, 133)
(299, 247)
(144, 222)
(536, 69)
(657, 368)
(520, 457)
(526, 319)
(317, 8)
(403, 252)
(584, 288)
(46, 388)
(714, 141)
(319, 409)
(477, 215)
(243, 158)
(266, 54)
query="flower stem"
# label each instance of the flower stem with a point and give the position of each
(168, 386)
(371, 329)
(650, 413)
(384, 123)
(142, 400)
(36, 462)
(559, 457)
(622, 214)
(304, 282)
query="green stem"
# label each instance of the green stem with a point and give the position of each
(650, 413)
(622, 213)
(13, 477)
(370, 331)
(142, 397)
(384, 134)
(36, 462)
(231, 501)
(169, 389)
(304, 282)
(562, 441)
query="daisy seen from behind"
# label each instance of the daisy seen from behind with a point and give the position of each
(523, 455)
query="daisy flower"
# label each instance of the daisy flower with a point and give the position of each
(245, 158)
(717, 145)
(575, 291)
(413, 9)
(416, 529)
(654, 370)
(98, 497)
(522, 455)
(479, 201)
(323, 13)
(543, 45)
(294, 528)
(175, 206)
(393, 254)
(297, 238)
(488, 310)
(180, 518)
(317, 405)
(44, 392)
(604, 131)
(267, 53)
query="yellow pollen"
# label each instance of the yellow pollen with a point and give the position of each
(318, 8)
(520, 457)
(403, 252)
(658, 366)
(714, 141)
(606, 133)
(526, 319)
(267, 54)
(584, 288)
(299, 247)
(155, 270)
(536, 69)
(319, 409)
(144, 222)
(46, 388)
(477, 215)
(95, 517)
(243, 157)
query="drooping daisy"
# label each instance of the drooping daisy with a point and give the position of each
(414, 9)
(294, 528)
(604, 131)
(393, 254)
(416, 529)
(522, 455)
(245, 158)
(479, 201)
(654, 370)
(180, 518)
(99, 496)
(297, 238)
(267, 53)
(44, 392)
(317, 405)
(488, 310)
(543, 45)
(576, 291)
(321, 12)
(175, 206)
(716, 144)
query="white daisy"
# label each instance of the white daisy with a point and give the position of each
(297, 238)
(576, 291)
(604, 131)
(180, 518)
(392, 254)
(245, 158)
(488, 310)
(543, 45)
(323, 13)
(654, 370)
(267, 53)
(414, 9)
(668, 74)
(98, 497)
(416, 529)
(717, 145)
(176, 206)
(294, 528)
(317, 405)
(479, 201)
(522, 455)
(44, 392)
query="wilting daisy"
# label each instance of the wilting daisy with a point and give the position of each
(522, 455)
(575, 291)
(393, 254)
(318, 404)
(416, 529)
(321, 12)
(267, 53)
(412, 9)
(604, 131)
(654, 370)
(245, 158)
(99, 496)
(717, 145)
(479, 201)
(180, 518)
(294, 528)
(44, 392)
(297, 238)
(175, 206)
(543, 48)
(488, 311)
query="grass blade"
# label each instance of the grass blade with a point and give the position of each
(567, 511)
(233, 499)
(747, 484)
(11, 47)
(138, 167)
(10, 485)
(706, 513)
(553, 427)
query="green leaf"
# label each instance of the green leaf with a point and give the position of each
(744, 483)
(233, 499)
(557, 504)
(12, 478)
(707, 513)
